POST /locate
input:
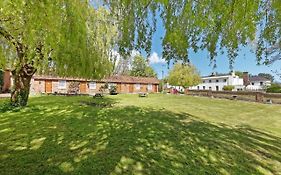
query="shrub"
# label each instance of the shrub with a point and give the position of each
(274, 88)
(228, 88)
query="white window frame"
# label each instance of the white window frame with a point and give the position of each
(62, 86)
(137, 86)
(149, 86)
(93, 85)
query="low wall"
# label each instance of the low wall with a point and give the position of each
(260, 97)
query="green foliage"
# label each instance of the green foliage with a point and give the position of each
(267, 76)
(68, 37)
(140, 68)
(184, 75)
(274, 88)
(228, 88)
(239, 74)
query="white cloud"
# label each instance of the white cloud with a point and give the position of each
(134, 53)
(154, 58)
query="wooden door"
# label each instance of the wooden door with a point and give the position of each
(155, 88)
(118, 89)
(48, 87)
(143, 88)
(131, 88)
(83, 87)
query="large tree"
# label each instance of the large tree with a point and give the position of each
(67, 37)
(183, 75)
(140, 68)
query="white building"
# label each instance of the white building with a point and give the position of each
(217, 82)
(256, 83)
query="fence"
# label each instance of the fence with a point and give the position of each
(260, 97)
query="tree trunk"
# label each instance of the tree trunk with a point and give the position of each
(21, 86)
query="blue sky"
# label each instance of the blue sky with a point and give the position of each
(246, 60)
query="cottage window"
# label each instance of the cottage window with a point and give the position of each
(261, 83)
(137, 86)
(62, 84)
(204, 87)
(253, 83)
(217, 81)
(149, 86)
(92, 85)
(203, 81)
(210, 81)
(198, 87)
(224, 80)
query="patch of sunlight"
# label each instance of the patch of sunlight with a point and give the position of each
(5, 123)
(263, 170)
(37, 143)
(66, 167)
(82, 155)
(177, 164)
(77, 144)
(7, 130)
(212, 157)
(60, 139)
(127, 165)
(139, 148)
(224, 172)
(4, 156)
(18, 146)
(52, 127)
(100, 146)
(203, 150)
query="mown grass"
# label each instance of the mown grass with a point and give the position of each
(126, 134)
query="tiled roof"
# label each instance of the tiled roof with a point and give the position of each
(257, 78)
(131, 79)
(112, 79)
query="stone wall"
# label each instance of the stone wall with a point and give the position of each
(260, 97)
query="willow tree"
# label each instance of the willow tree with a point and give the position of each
(216, 26)
(60, 37)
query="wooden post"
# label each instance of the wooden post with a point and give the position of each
(259, 97)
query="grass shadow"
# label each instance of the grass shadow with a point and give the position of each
(63, 136)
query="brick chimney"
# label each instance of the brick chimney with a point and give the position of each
(246, 79)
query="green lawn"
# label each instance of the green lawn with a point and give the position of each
(125, 134)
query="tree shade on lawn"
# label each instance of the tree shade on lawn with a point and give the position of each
(128, 135)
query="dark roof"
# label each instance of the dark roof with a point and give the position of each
(257, 78)
(112, 79)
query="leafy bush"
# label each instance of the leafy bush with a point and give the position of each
(228, 88)
(113, 90)
(274, 88)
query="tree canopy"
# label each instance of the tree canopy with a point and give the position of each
(140, 68)
(217, 26)
(184, 75)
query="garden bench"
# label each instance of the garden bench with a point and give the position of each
(98, 95)
(142, 94)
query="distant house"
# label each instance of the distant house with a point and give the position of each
(124, 84)
(257, 83)
(216, 82)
